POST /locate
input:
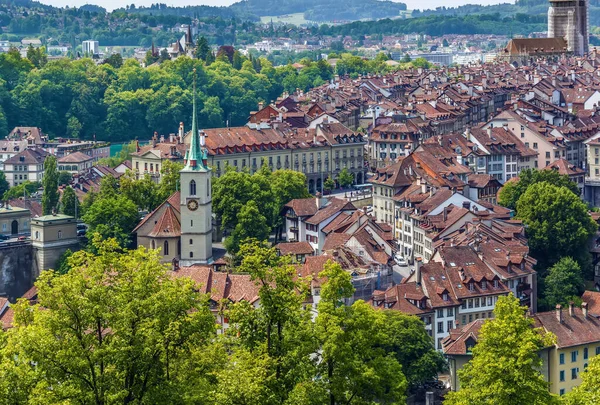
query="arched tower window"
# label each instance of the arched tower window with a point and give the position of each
(166, 248)
(153, 244)
(192, 187)
(208, 187)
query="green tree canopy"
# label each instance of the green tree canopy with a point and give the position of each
(112, 216)
(563, 283)
(69, 202)
(251, 224)
(505, 366)
(513, 190)
(345, 178)
(3, 183)
(24, 189)
(558, 224)
(50, 195)
(115, 329)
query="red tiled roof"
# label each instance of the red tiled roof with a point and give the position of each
(573, 330)
(295, 248)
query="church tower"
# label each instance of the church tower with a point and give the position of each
(196, 200)
(568, 19)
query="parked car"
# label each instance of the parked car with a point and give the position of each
(23, 237)
(400, 261)
(4, 237)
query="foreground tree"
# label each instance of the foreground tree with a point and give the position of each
(505, 366)
(115, 329)
(511, 191)
(558, 224)
(50, 183)
(24, 189)
(563, 283)
(353, 365)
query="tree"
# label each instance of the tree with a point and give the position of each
(115, 328)
(202, 48)
(69, 202)
(63, 266)
(345, 178)
(588, 392)
(64, 178)
(558, 224)
(112, 216)
(50, 183)
(3, 183)
(37, 56)
(354, 368)
(115, 60)
(251, 224)
(24, 189)
(412, 347)
(563, 283)
(169, 179)
(445, 43)
(505, 366)
(328, 184)
(144, 192)
(406, 58)
(513, 190)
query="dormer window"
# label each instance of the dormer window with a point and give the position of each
(496, 284)
(445, 296)
(483, 284)
(471, 286)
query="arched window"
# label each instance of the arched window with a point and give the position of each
(208, 187)
(192, 187)
(191, 241)
(153, 245)
(166, 248)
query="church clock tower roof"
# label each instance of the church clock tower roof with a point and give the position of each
(196, 155)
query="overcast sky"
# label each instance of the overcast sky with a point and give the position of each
(112, 4)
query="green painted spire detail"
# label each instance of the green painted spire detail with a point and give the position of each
(195, 154)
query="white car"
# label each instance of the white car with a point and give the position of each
(400, 260)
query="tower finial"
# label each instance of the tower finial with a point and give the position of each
(195, 155)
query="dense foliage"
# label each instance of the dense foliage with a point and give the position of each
(116, 327)
(440, 25)
(505, 366)
(82, 99)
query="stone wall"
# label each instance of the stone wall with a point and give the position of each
(18, 269)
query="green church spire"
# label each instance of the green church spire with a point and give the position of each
(196, 156)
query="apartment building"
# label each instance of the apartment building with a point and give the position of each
(319, 153)
(27, 165)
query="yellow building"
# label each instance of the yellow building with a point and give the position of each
(577, 341)
(317, 152)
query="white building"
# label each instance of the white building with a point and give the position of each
(90, 48)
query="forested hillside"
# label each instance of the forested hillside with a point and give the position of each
(118, 103)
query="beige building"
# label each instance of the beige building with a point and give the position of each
(318, 153)
(549, 148)
(51, 236)
(14, 221)
(75, 162)
(25, 165)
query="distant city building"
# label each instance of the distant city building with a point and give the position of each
(90, 48)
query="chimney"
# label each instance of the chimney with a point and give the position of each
(260, 105)
(445, 213)
(584, 309)
(418, 269)
(559, 313)
(319, 200)
(154, 139)
(180, 134)
(571, 308)
(162, 139)
(489, 131)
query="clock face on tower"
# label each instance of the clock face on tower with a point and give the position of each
(192, 205)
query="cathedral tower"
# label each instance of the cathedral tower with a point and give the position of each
(568, 19)
(196, 200)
